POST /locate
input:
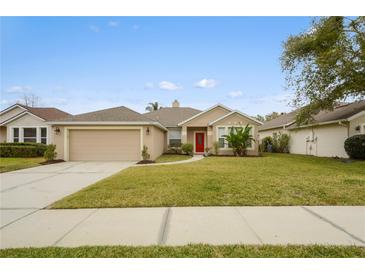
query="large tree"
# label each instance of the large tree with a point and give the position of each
(326, 64)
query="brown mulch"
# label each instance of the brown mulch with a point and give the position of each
(143, 162)
(52, 162)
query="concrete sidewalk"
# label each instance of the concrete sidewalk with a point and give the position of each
(179, 226)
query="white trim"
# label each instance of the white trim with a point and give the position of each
(10, 137)
(205, 141)
(11, 108)
(237, 112)
(357, 115)
(319, 124)
(66, 134)
(205, 111)
(19, 115)
(101, 123)
(226, 148)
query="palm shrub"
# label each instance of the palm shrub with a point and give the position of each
(239, 139)
(50, 153)
(145, 154)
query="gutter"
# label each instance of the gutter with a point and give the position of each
(101, 123)
(323, 123)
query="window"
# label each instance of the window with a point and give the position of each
(174, 136)
(16, 135)
(221, 133)
(30, 135)
(44, 135)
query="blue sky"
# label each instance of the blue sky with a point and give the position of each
(83, 64)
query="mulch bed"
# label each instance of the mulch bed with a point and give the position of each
(143, 162)
(52, 162)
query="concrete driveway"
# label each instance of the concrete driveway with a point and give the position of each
(25, 191)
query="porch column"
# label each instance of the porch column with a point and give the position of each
(184, 135)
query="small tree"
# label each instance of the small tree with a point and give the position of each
(240, 139)
(153, 106)
(50, 154)
(145, 154)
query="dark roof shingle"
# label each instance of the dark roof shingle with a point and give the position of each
(171, 116)
(46, 113)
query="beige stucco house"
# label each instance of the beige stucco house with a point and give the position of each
(325, 136)
(120, 133)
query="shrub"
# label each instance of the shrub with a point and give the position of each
(355, 146)
(283, 143)
(173, 150)
(50, 153)
(266, 142)
(187, 148)
(239, 139)
(22, 149)
(145, 154)
(216, 148)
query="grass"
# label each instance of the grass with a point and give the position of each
(189, 251)
(172, 158)
(276, 179)
(10, 164)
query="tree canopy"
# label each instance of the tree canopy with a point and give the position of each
(153, 106)
(326, 64)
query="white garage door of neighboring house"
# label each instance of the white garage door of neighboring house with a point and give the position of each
(104, 145)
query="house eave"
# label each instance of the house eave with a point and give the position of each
(106, 123)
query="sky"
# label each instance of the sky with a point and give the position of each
(81, 64)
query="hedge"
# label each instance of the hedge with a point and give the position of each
(22, 150)
(355, 146)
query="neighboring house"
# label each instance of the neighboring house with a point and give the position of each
(120, 133)
(325, 136)
(20, 123)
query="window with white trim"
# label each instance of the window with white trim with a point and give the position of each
(16, 135)
(44, 135)
(30, 135)
(225, 131)
(174, 136)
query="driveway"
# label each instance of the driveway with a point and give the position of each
(25, 191)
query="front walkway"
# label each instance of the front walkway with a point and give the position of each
(192, 159)
(333, 225)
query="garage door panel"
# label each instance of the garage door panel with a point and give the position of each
(104, 145)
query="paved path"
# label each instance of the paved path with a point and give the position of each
(180, 226)
(31, 189)
(192, 159)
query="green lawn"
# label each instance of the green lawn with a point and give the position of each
(275, 179)
(10, 164)
(189, 251)
(172, 158)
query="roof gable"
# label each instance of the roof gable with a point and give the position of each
(211, 109)
(171, 116)
(237, 112)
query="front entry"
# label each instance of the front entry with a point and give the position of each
(199, 142)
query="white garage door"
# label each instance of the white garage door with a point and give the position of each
(104, 145)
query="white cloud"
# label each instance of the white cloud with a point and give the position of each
(94, 28)
(206, 83)
(235, 93)
(113, 24)
(19, 89)
(169, 86)
(135, 27)
(149, 85)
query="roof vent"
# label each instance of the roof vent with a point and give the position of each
(175, 104)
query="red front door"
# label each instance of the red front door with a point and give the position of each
(199, 142)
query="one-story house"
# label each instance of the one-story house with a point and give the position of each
(20, 123)
(120, 133)
(325, 135)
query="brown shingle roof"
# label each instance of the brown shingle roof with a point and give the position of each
(339, 113)
(280, 121)
(342, 112)
(116, 114)
(47, 114)
(171, 116)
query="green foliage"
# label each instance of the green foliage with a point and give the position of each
(145, 154)
(216, 148)
(50, 153)
(282, 144)
(266, 142)
(153, 106)
(22, 149)
(187, 148)
(355, 146)
(326, 64)
(239, 139)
